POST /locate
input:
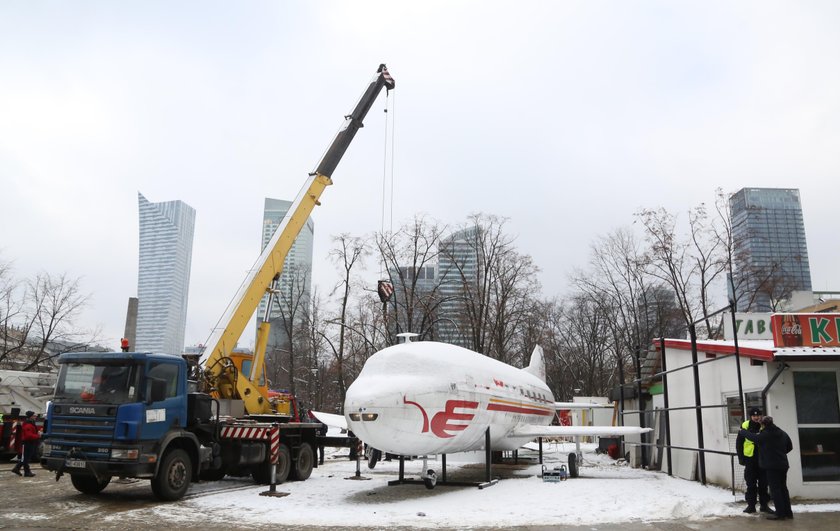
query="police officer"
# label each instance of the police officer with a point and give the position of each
(774, 445)
(754, 476)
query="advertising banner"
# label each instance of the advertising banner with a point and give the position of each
(806, 329)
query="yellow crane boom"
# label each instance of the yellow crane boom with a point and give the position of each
(220, 372)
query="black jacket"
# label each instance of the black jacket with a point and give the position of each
(773, 447)
(754, 427)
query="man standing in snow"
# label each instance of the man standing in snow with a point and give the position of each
(29, 438)
(754, 476)
(773, 446)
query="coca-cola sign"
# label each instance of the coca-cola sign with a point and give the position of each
(792, 330)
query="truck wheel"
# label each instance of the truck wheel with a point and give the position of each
(262, 472)
(89, 484)
(173, 477)
(302, 468)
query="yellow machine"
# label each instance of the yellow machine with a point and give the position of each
(223, 377)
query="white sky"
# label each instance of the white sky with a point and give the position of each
(566, 117)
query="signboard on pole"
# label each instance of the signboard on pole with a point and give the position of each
(748, 326)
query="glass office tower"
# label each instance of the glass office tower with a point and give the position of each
(771, 255)
(166, 239)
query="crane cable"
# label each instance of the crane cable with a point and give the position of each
(388, 179)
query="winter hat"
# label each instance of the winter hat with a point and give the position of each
(755, 411)
(767, 421)
(29, 414)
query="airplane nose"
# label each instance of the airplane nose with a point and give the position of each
(368, 412)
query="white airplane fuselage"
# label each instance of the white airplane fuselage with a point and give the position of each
(426, 398)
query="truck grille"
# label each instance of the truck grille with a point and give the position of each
(90, 436)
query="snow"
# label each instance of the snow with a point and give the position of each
(607, 492)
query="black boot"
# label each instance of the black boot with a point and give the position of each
(16, 470)
(750, 509)
(766, 509)
(26, 472)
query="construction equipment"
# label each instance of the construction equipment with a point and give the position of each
(221, 377)
(138, 415)
(21, 391)
(554, 475)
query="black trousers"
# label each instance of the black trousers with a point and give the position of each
(777, 479)
(27, 453)
(756, 481)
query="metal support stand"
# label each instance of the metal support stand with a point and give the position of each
(488, 480)
(359, 453)
(272, 489)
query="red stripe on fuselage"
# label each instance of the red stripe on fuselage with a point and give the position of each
(518, 409)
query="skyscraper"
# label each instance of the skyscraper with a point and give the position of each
(166, 239)
(296, 279)
(771, 256)
(458, 276)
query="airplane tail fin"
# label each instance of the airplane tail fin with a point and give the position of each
(537, 365)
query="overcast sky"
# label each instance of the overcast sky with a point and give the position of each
(566, 117)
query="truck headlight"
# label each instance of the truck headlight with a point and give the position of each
(125, 453)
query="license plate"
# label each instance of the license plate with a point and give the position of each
(76, 463)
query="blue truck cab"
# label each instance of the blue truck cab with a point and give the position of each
(124, 414)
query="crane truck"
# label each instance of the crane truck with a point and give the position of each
(140, 415)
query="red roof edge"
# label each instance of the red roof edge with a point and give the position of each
(716, 348)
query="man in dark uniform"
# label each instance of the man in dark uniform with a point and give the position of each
(773, 446)
(754, 476)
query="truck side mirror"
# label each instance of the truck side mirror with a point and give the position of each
(155, 390)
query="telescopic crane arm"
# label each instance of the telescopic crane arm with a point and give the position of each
(220, 373)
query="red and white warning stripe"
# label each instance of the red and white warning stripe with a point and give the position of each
(12, 436)
(244, 432)
(274, 444)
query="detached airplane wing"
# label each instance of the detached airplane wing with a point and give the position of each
(573, 431)
(331, 419)
(581, 405)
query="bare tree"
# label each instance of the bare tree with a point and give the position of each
(349, 253)
(292, 304)
(689, 266)
(410, 257)
(54, 302)
(14, 330)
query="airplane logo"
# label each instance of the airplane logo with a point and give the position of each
(446, 420)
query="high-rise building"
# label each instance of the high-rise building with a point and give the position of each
(415, 286)
(166, 239)
(771, 256)
(458, 275)
(295, 284)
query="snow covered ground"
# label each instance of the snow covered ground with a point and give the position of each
(607, 492)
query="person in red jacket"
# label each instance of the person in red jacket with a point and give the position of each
(29, 438)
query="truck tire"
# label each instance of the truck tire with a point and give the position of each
(262, 472)
(302, 467)
(174, 476)
(284, 464)
(88, 484)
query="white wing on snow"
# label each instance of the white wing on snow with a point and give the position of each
(331, 419)
(572, 431)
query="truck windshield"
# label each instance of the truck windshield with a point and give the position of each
(97, 383)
